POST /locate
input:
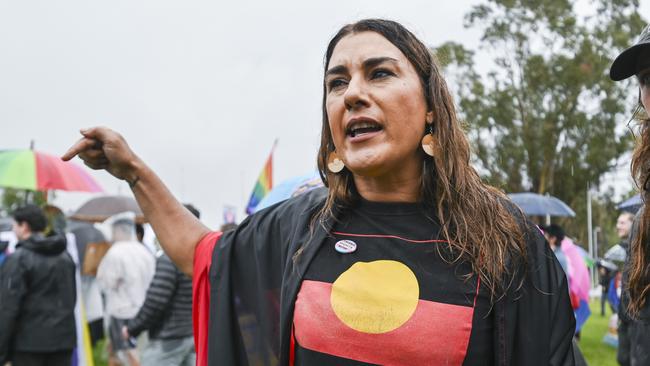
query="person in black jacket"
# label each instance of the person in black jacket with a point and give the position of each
(634, 314)
(37, 296)
(167, 315)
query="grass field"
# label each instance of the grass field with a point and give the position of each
(100, 356)
(595, 351)
(591, 343)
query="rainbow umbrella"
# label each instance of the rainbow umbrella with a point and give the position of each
(37, 171)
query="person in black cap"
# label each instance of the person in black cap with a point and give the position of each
(634, 60)
(634, 327)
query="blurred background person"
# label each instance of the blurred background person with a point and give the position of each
(609, 269)
(3, 250)
(623, 228)
(89, 241)
(124, 275)
(37, 295)
(617, 255)
(606, 272)
(554, 235)
(167, 315)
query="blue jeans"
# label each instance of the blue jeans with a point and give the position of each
(170, 352)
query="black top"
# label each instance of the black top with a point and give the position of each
(37, 298)
(258, 269)
(398, 285)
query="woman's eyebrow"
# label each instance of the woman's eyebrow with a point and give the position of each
(375, 61)
(340, 69)
(367, 64)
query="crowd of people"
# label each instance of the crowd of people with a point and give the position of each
(405, 242)
(129, 291)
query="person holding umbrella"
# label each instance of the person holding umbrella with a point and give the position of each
(634, 328)
(406, 242)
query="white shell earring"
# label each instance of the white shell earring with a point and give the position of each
(334, 163)
(428, 142)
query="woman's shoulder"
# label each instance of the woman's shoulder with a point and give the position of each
(308, 201)
(532, 233)
(540, 259)
(280, 219)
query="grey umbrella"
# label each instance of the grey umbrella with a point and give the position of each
(534, 204)
(100, 208)
(632, 204)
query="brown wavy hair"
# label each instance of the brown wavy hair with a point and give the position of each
(474, 220)
(639, 253)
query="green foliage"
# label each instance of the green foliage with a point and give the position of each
(14, 198)
(547, 118)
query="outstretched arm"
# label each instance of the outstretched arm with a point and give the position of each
(176, 228)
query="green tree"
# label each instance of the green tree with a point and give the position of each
(546, 118)
(14, 198)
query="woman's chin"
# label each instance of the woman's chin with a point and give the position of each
(374, 169)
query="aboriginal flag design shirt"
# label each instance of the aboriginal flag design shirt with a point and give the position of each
(388, 297)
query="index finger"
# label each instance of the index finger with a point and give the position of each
(80, 146)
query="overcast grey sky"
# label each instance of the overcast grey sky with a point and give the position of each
(200, 89)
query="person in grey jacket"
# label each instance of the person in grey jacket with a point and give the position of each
(167, 315)
(37, 296)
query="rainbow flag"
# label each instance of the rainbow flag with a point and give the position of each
(263, 185)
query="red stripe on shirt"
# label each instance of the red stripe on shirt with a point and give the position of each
(201, 294)
(389, 236)
(436, 334)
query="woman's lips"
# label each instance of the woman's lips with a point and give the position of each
(361, 137)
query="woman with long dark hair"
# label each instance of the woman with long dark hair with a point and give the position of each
(406, 258)
(634, 328)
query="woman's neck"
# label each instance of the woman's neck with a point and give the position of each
(390, 188)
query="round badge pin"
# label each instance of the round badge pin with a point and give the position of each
(345, 246)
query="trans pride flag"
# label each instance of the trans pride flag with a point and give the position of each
(263, 185)
(579, 280)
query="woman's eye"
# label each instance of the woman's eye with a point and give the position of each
(381, 73)
(335, 84)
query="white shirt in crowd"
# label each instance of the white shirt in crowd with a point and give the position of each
(124, 274)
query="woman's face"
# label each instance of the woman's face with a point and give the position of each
(375, 107)
(624, 225)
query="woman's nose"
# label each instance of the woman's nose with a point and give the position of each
(356, 94)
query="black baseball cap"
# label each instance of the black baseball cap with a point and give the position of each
(628, 63)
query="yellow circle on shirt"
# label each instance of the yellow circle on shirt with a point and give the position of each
(375, 297)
